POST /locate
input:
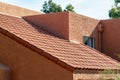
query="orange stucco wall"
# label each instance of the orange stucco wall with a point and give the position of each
(15, 10)
(67, 25)
(80, 26)
(110, 38)
(29, 65)
(55, 23)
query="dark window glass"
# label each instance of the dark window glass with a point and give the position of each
(88, 41)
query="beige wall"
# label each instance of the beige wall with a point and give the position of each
(80, 26)
(86, 75)
(94, 75)
(28, 65)
(15, 10)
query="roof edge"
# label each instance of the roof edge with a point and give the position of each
(20, 7)
(16, 10)
(10, 15)
(37, 50)
(83, 16)
(43, 53)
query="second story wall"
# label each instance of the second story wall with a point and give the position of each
(80, 26)
(111, 38)
(67, 25)
(55, 23)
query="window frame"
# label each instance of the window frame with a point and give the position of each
(89, 41)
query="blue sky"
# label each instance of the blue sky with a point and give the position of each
(93, 8)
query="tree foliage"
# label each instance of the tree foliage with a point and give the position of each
(69, 8)
(115, 11)
(116, 2)
(109, 74)
(51, 7)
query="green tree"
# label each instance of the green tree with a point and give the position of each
(110, 75)
(116, 2)
(51, 7)
(69, 8)
(115, 11)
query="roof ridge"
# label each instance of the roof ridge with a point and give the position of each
(45, 31)
(37, 50)
(10, 15)
(18, 6)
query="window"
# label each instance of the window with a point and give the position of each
(88, 41)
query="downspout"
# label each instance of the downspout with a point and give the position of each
(100, 30)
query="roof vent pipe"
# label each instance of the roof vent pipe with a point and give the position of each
(100, 27)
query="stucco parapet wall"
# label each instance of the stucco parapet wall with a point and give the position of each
(110, 38)
(61, 23)
(82, 26)
(15, 10)
(54, 23)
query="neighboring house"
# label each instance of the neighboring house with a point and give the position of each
(51, 46)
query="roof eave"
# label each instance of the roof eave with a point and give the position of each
(45, 54)
(37, 50)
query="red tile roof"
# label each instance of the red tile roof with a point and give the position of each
(60, 51)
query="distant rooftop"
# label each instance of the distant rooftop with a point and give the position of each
(15, 10)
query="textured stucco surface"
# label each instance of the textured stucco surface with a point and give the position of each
(110, 38)
(28, 65)
(80, 26)
(67, 25)
(55, 23)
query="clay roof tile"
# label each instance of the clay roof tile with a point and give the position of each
(77, 56)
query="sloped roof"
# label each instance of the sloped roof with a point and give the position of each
(16, 10)
(74, 56)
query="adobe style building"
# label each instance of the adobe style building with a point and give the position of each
(58, 46)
